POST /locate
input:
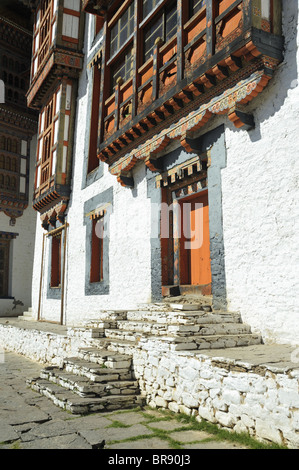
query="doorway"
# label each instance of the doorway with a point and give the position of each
(186, 258)
(194, 246)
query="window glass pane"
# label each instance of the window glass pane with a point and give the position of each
(196, 5)
(122, 68)
(151, 33)
(122, 30)
(163, 26)
(148, 6)
(171, 22)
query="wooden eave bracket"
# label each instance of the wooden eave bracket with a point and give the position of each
(154, 163)
(191, 145)
(54, 215)
(241, 119)
(126, 179)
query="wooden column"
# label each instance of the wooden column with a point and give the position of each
(180, 41)
(156, 68)
(103, 85)
(210, 28)
(136, 57)
(119, 82)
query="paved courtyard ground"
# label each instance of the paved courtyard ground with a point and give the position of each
(31, 421)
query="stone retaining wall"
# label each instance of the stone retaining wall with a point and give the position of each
(241, 397)
(39, 345)
(238, 396)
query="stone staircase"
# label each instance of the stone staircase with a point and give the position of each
(27, 316)
(95, 381)
(175, 327)
(102, 378)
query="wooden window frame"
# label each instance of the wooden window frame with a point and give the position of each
(10, 165)
(160, 73)
(121, 62)
(46, 139)
(154, 17)
(117, 23)
(47, 18)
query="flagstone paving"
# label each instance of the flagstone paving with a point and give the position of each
(31, 421)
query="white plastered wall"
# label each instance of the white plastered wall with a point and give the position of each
(260, 203)
(130, 229)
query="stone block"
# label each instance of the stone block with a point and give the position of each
(161, 402)
(225, 419)
(266, 430)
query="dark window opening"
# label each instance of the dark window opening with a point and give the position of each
(93, 161)
(4, 267)
(56, 261)
(96, 265)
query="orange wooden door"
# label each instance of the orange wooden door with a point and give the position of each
(195, 260)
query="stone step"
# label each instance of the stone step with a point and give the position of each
(129, 336)
(120, 346)
(138, 331)
(27, 316)
(161, 329)
(194, 343)
(189, 307)
(75, 404)
(105, 316)
(88, 333)
(95, 372)
(183, 317)
(180, 303)
(87, 388)
(110, 359)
